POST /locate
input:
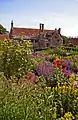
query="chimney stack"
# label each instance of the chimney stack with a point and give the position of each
(55, 28)
(59, 30)
(12, 24)
(10, 34)
(42, 27)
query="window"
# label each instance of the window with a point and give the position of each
(52, 33)
(47, 44)
(48, 35)
(55, 36)
(58, 40)
(49, 40)
(36, 40)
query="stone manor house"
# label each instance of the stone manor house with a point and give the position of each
(40, 38)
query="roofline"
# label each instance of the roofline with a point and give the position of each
(32, 28)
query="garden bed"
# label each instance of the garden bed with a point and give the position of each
(37, 86)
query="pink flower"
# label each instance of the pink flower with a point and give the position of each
(50, 69)
(32, 77)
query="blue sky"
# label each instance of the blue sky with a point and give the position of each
(29, 13)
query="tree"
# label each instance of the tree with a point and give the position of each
(65, 39)
(3, 30)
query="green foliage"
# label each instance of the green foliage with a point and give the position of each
(27, 102)
(34, 101)
(68, 116)
(52, 58)
(14, 58)
(60, 52)
(74, 64)
(49, 51)
(3, 30)
(65, 39)
(41, 82)
(55, 77)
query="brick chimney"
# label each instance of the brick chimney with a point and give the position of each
(12, 24)
(42, 27)
(59, 30)
(10, 34)
(55, 28)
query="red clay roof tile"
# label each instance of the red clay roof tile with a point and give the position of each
(4, 36)
(27, 31)
(74, 41)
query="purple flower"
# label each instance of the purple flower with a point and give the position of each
(67, 62)
(44, 68)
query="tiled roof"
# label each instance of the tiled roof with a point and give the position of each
(3, 36)
(27, 31)
(74, 41)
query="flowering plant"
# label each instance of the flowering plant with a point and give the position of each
(63, 65)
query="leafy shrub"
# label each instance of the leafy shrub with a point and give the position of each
(61, 52)
(14, 58)
(68, 116)
(74, 64)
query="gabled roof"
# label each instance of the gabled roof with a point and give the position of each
(16, 31)
(4, 36)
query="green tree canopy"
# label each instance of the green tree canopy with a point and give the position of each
(3, 30)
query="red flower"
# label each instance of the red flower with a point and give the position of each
(65, 74)
(65, 65)
(50, 69)
(57, 63)
(63, 70)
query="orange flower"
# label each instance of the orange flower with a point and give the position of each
(57, 63)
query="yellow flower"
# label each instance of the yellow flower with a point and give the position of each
(77, 77)
(64, 83)
(56, 88)
(59, 89)
(72, 76)
(53, 89)
(70, 88)
(58, 85)
(70, 79)
(63, 88)
(48, 88)
(57, 57)
(69, 57)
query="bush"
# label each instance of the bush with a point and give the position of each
(14, 58)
